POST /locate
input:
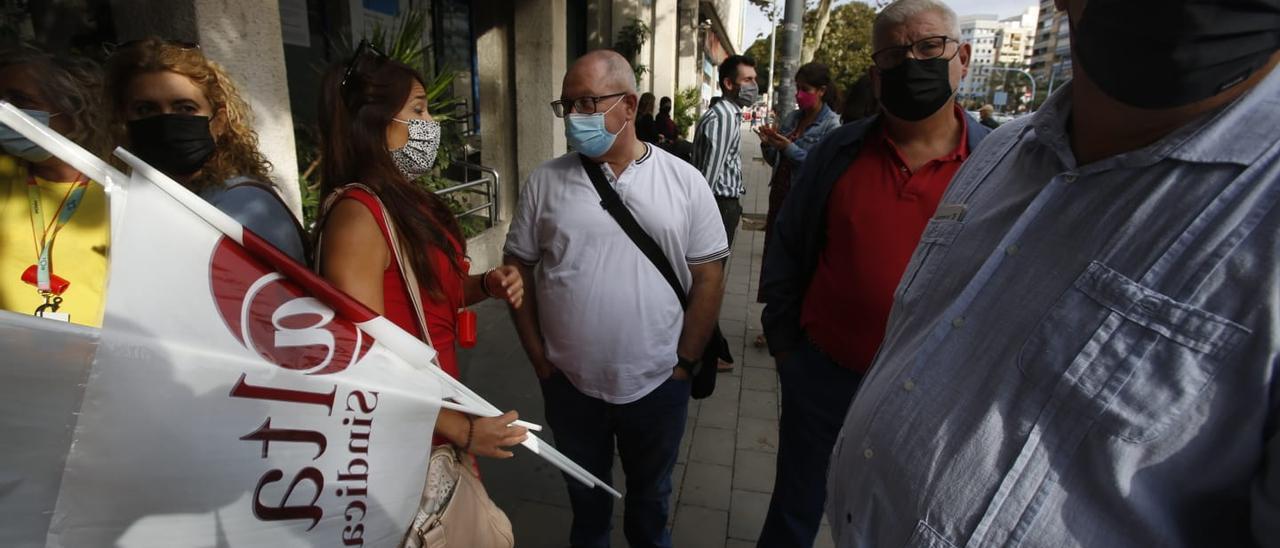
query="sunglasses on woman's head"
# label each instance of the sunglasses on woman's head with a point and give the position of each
(364, 52)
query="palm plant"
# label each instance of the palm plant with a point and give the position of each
(402, 42)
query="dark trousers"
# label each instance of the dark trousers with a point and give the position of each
(730, 213)
(648, 433)
(816, 393)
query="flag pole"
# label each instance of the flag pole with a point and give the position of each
(402, 344)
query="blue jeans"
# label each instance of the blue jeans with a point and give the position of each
(648, 433)
(816, 393)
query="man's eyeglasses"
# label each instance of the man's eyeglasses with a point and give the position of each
(365, 53)
(932, 47)
(582, 105)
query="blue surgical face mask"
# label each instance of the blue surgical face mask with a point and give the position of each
(16, 144)
(586, 132)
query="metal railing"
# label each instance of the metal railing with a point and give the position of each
(488, 185)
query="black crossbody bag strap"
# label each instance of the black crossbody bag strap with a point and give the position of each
(703, 376)
(613, 204)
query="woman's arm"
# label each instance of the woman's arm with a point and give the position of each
(503, 282)
(353, 260)
(355, 254)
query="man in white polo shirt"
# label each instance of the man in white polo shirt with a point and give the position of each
(604, 330)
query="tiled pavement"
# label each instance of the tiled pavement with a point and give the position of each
(725, 471)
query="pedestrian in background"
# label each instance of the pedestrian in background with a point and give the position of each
(718, 138)
(786, 147)
(646, 126)
(984, 115)
(843, 240)
(859, 101)
(69, 223)
(1083, 351)
(666, 127)
(606, 333)
(179, 111)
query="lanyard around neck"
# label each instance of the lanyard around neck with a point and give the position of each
(45, 234)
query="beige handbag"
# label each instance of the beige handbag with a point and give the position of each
(455, 510)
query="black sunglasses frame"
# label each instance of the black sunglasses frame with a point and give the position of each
(564, 107)
(361, 50)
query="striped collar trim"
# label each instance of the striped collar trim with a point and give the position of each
(648, 153)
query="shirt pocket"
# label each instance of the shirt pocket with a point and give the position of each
(925, 536)
(1131, 358)
(934, 242)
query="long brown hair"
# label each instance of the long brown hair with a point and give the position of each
(236, 152)
(353, 118)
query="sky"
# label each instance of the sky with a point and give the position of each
(757, 25)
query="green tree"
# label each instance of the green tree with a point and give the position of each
(846, 48)
(760, 51)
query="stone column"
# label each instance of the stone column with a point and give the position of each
(664, 62)
(687, 66)
(498, 144)
(244, 37)
(540, 51)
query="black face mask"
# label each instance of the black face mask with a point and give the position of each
(916, 89)
(1182, 51)
(177, 144)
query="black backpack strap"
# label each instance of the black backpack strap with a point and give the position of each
(613, 204)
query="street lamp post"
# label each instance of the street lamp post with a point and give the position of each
(773, 49)
(1023, 72)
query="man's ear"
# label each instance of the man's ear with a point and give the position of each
(633, 105)
(727, 84)
(966, 53)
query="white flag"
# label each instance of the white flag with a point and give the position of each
(235, 399)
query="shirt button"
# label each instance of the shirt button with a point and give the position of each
(1011, 250)
(848, 518)
(909, 385)
(868, 453)
(957, 323)
(1070, 177)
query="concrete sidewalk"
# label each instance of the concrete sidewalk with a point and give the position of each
(725, 471)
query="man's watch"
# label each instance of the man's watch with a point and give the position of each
(690, 367)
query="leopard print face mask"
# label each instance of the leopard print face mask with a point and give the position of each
(417, 156)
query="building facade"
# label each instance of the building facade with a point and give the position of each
(1051, 53)
(506, 58)
(981, 32)
(1016, 39)
(1001, 48)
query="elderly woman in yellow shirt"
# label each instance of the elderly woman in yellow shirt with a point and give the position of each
(54, 229)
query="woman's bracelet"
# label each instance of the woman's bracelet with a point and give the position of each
(484, 284)
(471, 426)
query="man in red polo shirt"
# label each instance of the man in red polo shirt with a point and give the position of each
(845, 236)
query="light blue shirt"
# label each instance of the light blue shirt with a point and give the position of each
(261, 211)
(1082, 355)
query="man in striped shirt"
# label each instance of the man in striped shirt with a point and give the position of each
(716, 146)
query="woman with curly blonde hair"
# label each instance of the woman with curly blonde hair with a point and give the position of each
(179, 111)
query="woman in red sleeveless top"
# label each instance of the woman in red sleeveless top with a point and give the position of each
(378, 133)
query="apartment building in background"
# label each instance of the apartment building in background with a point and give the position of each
(997, 44)
(1051, 52)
